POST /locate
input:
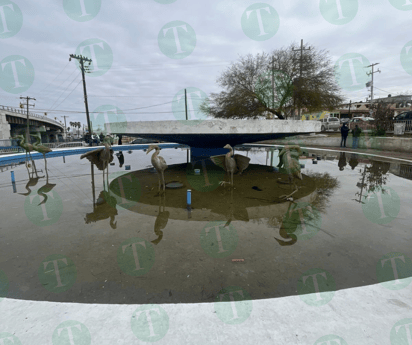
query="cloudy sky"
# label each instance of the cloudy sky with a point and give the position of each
(145, 53)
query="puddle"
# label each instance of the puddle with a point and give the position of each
(131, 244)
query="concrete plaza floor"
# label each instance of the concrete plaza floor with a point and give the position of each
(357, 316)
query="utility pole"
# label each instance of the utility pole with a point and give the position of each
(372, 73)
(273, 82)
(301, 68)
(350, 102)
(82, 58)
(186, 104)
(65, 128)
(31, 105)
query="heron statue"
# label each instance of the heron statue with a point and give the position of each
(231, 163)
(159, 163)
(289, 158)
(27, 147)
(41, 148)
(101, 157)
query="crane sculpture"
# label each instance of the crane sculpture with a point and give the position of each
(45, 189)
(101, 157)
(159, 163)
(231, 163)
(27, 147)
(289, 158)
(41, 148)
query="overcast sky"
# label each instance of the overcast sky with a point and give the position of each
(146, 52)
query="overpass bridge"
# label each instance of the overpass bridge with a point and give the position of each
(13, 121)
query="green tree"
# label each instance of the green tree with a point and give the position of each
(249, 92)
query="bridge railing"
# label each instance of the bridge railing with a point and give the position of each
(20, 111)
(63, 145)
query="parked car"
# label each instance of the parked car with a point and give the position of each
(364, 123)
(344, 120)
(404, 117)
(330, 123)
(143, 141)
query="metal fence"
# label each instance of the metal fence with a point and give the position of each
(408, 125)
(63, 145)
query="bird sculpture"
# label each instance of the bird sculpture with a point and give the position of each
(45, 189)
(231, 163)
(161, 221)
(159, 163)
(27, 147)
(101, 157)
(289, 159)
(41, 148)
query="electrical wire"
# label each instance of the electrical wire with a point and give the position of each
(51, 108)
(55, 77)
(70, 92)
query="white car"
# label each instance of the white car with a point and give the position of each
(330, 123)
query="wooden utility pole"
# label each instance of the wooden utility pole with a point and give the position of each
(27, 128)
(82, 58)
(372, 73)
(350, 102)
(273, 82)
(65, 128)
(186, 104)
(301, 68)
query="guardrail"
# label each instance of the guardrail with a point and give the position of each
(19, 111)
(63, 145)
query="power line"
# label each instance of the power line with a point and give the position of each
(55, 78)
(64, 91)
(69, 93)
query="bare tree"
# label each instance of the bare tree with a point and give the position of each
(383, 118)
(249, 92)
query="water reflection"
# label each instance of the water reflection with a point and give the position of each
(104, 207)
(32, 181)
(161, 220)
(374, 177)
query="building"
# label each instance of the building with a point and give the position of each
(398, 103)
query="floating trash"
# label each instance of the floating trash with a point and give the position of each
(319, 158)
(275, 169)
(197, 171)
(314, 161)
(112, 163)
(127, 167)
(302, 166)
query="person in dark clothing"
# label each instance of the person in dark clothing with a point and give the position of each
(356, 134)
(353, 161)
(120, 139)
(344, 131)
(121, 158)
(342, 160)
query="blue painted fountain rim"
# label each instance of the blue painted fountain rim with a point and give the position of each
(19, 157)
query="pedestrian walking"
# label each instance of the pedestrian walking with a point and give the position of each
(344, 131)
(356, 132)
